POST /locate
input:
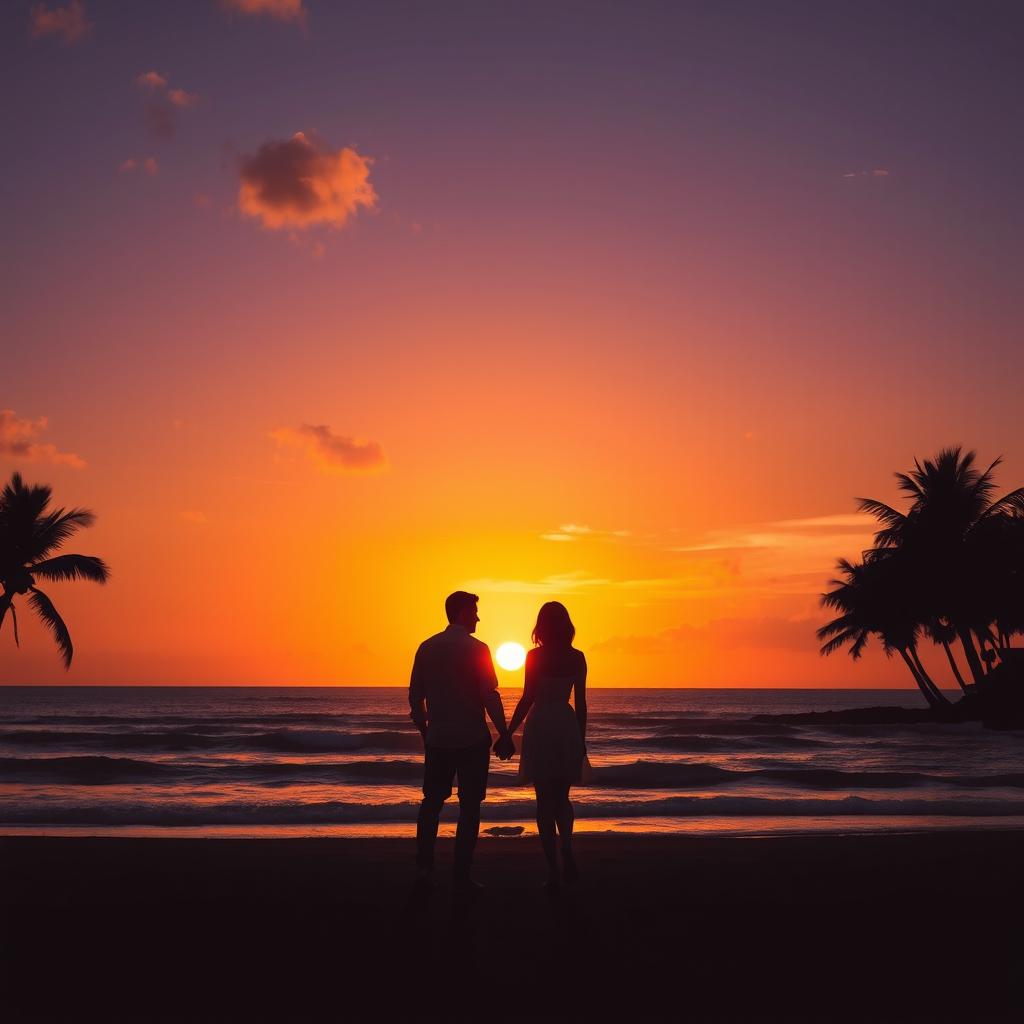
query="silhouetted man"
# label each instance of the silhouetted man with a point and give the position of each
(452, 683)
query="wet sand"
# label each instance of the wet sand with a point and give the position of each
(884, 927)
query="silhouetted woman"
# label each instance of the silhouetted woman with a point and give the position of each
(554, 737)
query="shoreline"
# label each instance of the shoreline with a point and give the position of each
(684, 828)
(855, 927)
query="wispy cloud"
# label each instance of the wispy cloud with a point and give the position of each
(574, 582)
(69, 23)
(299, 182)
(575, 531)
(815, 531)
(563, 583)
(762, 633)
(19, 440)
(330, 452)
(181, 98)
(151, 80)
(877, 173)
(148, 164)
(282, 10)
(163, 101)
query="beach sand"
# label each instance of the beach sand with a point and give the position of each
(882, 927)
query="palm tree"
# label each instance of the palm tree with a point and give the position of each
(29, 533)
(953, 541)
(872, 598)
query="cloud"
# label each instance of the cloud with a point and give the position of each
(573, 582)
(762, 633)
(879, 173)
(574, 531)
(194, 516)
(164, 101)
(298, 182)
(333, 453)
(149, 165)
(18, 441)
(180, 98)
(69, 22)
(151, 80)
(563, 583)
(282, 10)
(812, 532)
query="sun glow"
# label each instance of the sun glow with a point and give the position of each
(511, 656)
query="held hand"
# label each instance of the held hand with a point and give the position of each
(504, 748)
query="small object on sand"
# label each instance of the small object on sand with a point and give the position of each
(505, 830)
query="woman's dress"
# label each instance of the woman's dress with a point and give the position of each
(552, 748)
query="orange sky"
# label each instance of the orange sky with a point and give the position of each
(578, 314)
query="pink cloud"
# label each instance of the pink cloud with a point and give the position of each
(18, 440)
(332, 453)
(298, 182)
(282, 10)
(69, 22)
(149, 165)
(180, 98)
(151, 80)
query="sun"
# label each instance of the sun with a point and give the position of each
(511, 656)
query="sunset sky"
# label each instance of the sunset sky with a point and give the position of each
(328, 309)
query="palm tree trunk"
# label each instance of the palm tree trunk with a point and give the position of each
(953, 665)
(973, 661)
(940, 697)
(928, 694)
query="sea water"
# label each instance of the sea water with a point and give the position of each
(262, 761)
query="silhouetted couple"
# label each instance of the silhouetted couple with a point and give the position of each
(453, 684)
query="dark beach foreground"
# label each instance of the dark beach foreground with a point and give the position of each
(891, 927)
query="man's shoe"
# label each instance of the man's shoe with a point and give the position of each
(466, 885)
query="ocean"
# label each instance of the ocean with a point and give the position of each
(321, 761)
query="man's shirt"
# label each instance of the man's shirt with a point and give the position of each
(454, 673)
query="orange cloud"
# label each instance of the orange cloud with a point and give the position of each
(282, 10)
(297, 182)
(69, 22)
(333, 453)
(576, 531)
(18, 441)
(765, 633)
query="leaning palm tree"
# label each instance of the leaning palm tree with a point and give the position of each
(873, 600)
(952, 540)
(29, 534)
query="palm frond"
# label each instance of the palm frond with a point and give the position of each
(882, 512)
(56, 528)
(1012, 502)
(72, 567)
(7, 601)
(837, 643)
(862, 641)
(910, 485)
(833, 628)
(44, 609)
(886, 539)
(29, 502)
(14, 625)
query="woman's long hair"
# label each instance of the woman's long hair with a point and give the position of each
(554, 627)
